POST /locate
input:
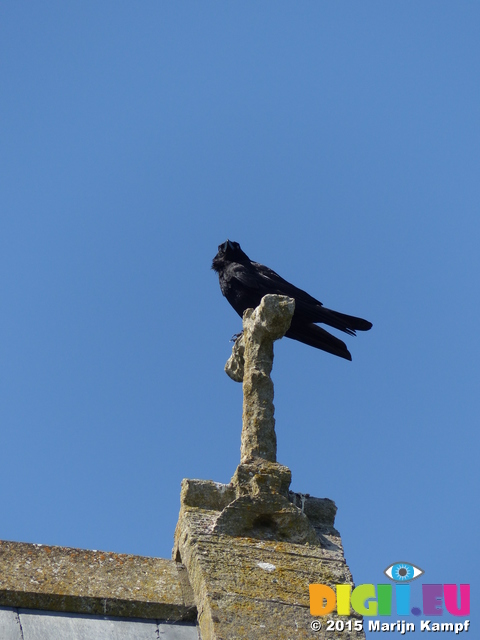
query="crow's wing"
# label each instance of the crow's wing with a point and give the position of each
(307, 308)
(276, 284)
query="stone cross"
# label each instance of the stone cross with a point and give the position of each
(251, 363)
(262, 508)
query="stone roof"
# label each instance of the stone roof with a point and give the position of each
(50, 578)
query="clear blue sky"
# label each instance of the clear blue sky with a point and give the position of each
(339, 143)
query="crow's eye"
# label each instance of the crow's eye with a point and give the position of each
(236, 245)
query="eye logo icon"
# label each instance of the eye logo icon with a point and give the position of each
(403, 572)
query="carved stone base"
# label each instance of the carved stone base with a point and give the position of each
(252, 583)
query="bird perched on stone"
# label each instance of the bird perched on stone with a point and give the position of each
(244, 283)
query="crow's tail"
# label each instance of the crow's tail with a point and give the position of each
(348, 324)
(317, 337)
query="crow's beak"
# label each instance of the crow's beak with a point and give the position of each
(226, 245)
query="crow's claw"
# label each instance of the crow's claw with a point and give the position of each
(236, 336)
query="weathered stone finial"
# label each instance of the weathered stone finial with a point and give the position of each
(257, 502)
(262, 507)
(251, 362)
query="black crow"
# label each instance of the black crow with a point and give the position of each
(244, 283)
